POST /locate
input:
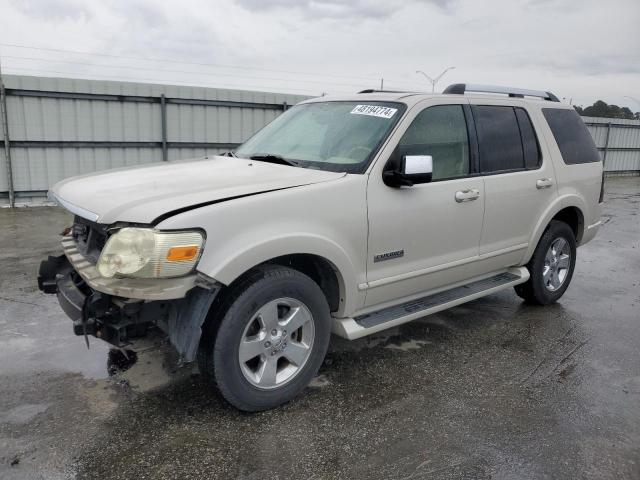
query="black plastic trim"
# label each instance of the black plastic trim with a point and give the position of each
(472, 135)
(398, 311)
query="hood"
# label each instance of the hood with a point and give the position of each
(141, 194)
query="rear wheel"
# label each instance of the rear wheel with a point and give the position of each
(270, 341)
(551, 266)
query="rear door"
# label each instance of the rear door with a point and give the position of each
(519, 178)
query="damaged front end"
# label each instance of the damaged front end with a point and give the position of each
(120, 311)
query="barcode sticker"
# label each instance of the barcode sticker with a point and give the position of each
(374, 111)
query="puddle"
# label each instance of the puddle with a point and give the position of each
(120, 360)
(99, 397)
(23, 413)
(152, 364)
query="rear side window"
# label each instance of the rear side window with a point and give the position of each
(530, 145)
(571, 134)
(498, 138)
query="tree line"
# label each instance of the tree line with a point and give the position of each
(603, 109)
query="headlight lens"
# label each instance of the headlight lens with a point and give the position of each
(148, 253)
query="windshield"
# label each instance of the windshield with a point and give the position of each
(336, 136)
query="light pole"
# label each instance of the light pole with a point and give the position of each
(633, 98)
(435, 80)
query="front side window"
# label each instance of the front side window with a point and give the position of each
(439, 131)
(336, 136)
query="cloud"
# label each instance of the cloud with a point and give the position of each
(53, 9)
(608, 65)
(584, 49)
(339, 9)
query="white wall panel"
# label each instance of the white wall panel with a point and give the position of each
(36, 167)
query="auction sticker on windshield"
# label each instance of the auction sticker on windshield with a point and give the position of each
(374, 111)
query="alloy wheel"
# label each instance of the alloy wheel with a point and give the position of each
(276, 343)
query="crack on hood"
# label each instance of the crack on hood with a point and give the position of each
(178, 211)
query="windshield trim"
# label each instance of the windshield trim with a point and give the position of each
(357, 168)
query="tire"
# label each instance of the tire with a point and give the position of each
(253, 319)
(549, 280)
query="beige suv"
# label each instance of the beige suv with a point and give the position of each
(345, 215)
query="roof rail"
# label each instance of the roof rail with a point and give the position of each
(373, 90)
(461, 88)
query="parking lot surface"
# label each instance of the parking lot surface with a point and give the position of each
(491, 389)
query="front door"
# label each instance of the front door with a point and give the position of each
(418, 235)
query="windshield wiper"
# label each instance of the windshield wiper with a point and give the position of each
(268, 157)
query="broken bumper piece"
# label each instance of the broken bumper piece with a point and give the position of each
(119, 320)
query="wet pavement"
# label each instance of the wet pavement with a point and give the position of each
(492, 389)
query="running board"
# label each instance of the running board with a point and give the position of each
(362, 325)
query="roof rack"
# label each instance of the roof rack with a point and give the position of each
(373, 90)
(461, 88)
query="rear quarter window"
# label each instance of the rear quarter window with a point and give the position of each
(572, 136)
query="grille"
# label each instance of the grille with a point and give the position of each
(90, 237)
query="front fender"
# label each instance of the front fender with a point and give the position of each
(248, 256)
(326, 219)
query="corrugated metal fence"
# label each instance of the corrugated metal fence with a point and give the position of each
(619, 143)
(63, 127)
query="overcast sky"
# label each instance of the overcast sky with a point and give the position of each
(580, 49)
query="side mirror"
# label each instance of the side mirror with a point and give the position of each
(413, 169)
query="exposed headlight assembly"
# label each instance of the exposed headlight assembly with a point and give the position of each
(148, 253)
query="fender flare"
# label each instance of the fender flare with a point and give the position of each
(250, 256)
(560, 203)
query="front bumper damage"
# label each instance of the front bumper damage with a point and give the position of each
(118, 319)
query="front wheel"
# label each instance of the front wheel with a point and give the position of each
(271, 339)
(551, 266)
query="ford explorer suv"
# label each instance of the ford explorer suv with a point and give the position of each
(346, 215)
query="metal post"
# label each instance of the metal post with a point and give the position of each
(7, 145)
(284, 106)
(606, 144)
(163, 116)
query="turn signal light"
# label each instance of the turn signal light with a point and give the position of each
(182, 254)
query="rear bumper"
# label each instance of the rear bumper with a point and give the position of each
(120, 320)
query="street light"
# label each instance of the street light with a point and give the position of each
(435, 80)
(633, 98)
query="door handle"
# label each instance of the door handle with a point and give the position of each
(543, 183)
(467, 195)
